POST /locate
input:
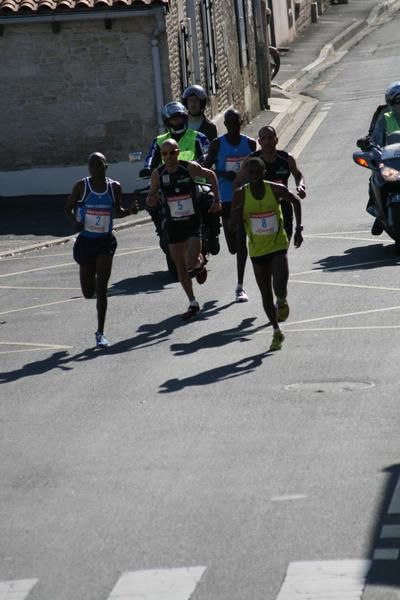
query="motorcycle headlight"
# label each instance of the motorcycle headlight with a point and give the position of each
(389, 174)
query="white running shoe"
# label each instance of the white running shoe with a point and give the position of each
(240, 295)
(101, 341)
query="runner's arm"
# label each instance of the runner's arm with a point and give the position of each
(298, 177)
(71, 203)
(196, 170)
(236, 214)
(281, 192)
(120, 212)
(152, 197)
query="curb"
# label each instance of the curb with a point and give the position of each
(69, 238)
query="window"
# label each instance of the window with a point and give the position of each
(240, 9)
(185, 48)
(209, 46)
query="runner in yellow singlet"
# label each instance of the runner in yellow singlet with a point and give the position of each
(257, 204)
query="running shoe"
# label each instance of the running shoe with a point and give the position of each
(277, 340)
(240, 295)
(282, 309)
(101, 341)
(191, 312)
(201, 276)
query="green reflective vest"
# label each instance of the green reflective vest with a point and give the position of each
(391, 122)
(187, 144)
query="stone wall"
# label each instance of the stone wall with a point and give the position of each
(81, 90)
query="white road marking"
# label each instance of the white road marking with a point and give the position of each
(45, 289)
(308, 134)
(16, 590)
(342, 316)
(288, 497)
(349, 328)
(158, 584)
(348, 285)
(319, 580)
(394, 507)
(14, 310)
(386, 554)
(29, 347)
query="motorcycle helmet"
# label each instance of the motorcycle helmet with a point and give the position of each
(171, 109)
(195, 90)
(392, 95)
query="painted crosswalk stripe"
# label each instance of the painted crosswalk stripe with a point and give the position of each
(157, 584)
(394, 507)
(16, 590)
(319, 580)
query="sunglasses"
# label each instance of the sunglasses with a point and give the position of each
(170, 153)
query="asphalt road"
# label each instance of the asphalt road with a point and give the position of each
(188, 447)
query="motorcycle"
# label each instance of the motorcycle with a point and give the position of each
(210, 222)
(384, 162)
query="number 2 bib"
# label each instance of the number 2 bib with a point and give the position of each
(97, 220)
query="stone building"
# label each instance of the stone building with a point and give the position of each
(79, 76)
(289, 17)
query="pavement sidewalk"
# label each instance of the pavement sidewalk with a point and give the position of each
(341, 26)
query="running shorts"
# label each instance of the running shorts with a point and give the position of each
(265, 259)
(87, 249)
(178, 232)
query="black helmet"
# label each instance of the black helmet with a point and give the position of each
(392, 95)
(171, 109)
(195, 90)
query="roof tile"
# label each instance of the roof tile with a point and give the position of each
(24, 7)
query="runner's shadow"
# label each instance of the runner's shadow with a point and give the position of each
(150, 283)
(219, 338)
(363, 257)
(149, 334)
(237, 369)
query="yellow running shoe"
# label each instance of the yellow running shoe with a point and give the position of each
(282, 308)
(277, 340)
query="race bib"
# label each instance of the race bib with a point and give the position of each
(264, 223)
(180, 206)
(234, 163)
(97, 220)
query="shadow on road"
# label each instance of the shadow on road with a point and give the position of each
(238, 368)
(150, 283)
(219, 338)
(149, 334)
(363, 257)
(385, 536)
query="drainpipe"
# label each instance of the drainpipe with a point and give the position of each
(155, 51)
(261, 55)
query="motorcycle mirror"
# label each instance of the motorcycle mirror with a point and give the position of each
(135, 156)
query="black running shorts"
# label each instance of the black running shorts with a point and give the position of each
(265, 259)
(87, 249)
(179, 232)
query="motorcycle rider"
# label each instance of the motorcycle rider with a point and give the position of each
(193, 145)
(194, 98)
(385, 121)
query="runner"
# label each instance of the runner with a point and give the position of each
(175, 180)
(227, 153)
(91, 205)
(279, 166)
(257, 205)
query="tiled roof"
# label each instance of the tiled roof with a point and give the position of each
(26, 7)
